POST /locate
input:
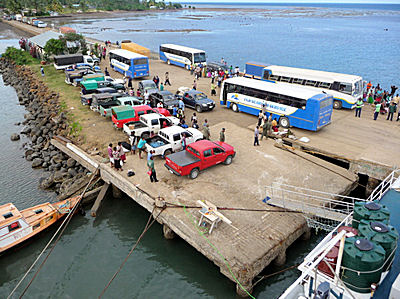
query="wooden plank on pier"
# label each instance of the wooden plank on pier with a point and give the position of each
(99, 199)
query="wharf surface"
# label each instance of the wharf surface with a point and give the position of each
(256, 238)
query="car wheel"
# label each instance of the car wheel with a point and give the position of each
(284, 122)
(194, 173)
(198, 109)
(337, 104)
(168, 62)
(167, 152)
(235, 108)
(228, 160)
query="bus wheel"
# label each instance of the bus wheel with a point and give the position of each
(187, 67)
(235, 108)
(168, 62)
(337, 104)
(284, 122)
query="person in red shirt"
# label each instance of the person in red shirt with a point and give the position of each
(369, 85)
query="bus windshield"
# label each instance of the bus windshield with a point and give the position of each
(199, 57)
(357, 88)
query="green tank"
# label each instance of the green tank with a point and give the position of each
(382, 234)
(361, 255)
(370, 211)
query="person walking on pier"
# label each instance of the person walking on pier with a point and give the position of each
(392, 110)
(213, 89)
(256, 134)
(377, 109)
(152, 170)
(167, 79)
(359, 105)
(222, 135)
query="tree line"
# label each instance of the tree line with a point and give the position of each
(43, 7)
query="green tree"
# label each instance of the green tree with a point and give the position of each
(54, 47)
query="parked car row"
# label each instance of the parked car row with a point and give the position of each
(29, 20)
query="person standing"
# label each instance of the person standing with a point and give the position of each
(193, 118)
(213, 89)
(184, 142)
(42, 71)
(222, 135)
(110, 154)
(152, 170)
(265, 130)
(140, 146)
(117, 158)
(219, 81)
(359, 105)
(121, 152)
(194, 85)
(377, 109)
(167, 79)
(256, 134)
(146, 96)
(392, 110)
(212, 77)
(161, 86)
(106, 72)
(206, 130)
(260, 118)
(130, 82)
(181, 105)
(132, 139)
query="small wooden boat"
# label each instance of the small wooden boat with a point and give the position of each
(18, 226)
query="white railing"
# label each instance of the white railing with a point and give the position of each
(384, 185)
(323, 204)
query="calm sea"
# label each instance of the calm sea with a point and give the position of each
(357, 39)
(348, 39)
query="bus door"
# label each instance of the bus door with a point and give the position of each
(225, 94)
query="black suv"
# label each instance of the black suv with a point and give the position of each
(198, 100)
(166, 97)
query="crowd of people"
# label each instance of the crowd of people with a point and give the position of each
(383, 101)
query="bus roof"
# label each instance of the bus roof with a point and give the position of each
(127, 54)
(312, 74)
(296, 91)
(182, 48)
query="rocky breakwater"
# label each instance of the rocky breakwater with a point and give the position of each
(43, 121)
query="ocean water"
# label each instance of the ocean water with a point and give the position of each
(340, 38)
(343, 39)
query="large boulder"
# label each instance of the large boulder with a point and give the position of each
(71, 162)
(37, 162)
(46, 183)
(15, 137)
(60, 176)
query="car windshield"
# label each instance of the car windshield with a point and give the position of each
(201, 96)
(168, 97)
(199, 57)
(149, 85)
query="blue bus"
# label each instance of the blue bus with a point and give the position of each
(345, 89)
(290, 105)
(129, 64)
(182, 56)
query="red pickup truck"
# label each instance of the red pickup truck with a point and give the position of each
(198, 156)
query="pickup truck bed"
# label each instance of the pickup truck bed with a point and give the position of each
(156, 141)
(183, 158)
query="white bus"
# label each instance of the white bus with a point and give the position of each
(130, 64)
(181, 55)
(290, 105)
(345, 89)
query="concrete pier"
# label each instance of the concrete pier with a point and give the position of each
(256, 238)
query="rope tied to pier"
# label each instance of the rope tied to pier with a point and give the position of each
(146, 228)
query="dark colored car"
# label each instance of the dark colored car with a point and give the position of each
(198, 100)
(166, 97)
(148, 85)
(216, 66)
(116, 86)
